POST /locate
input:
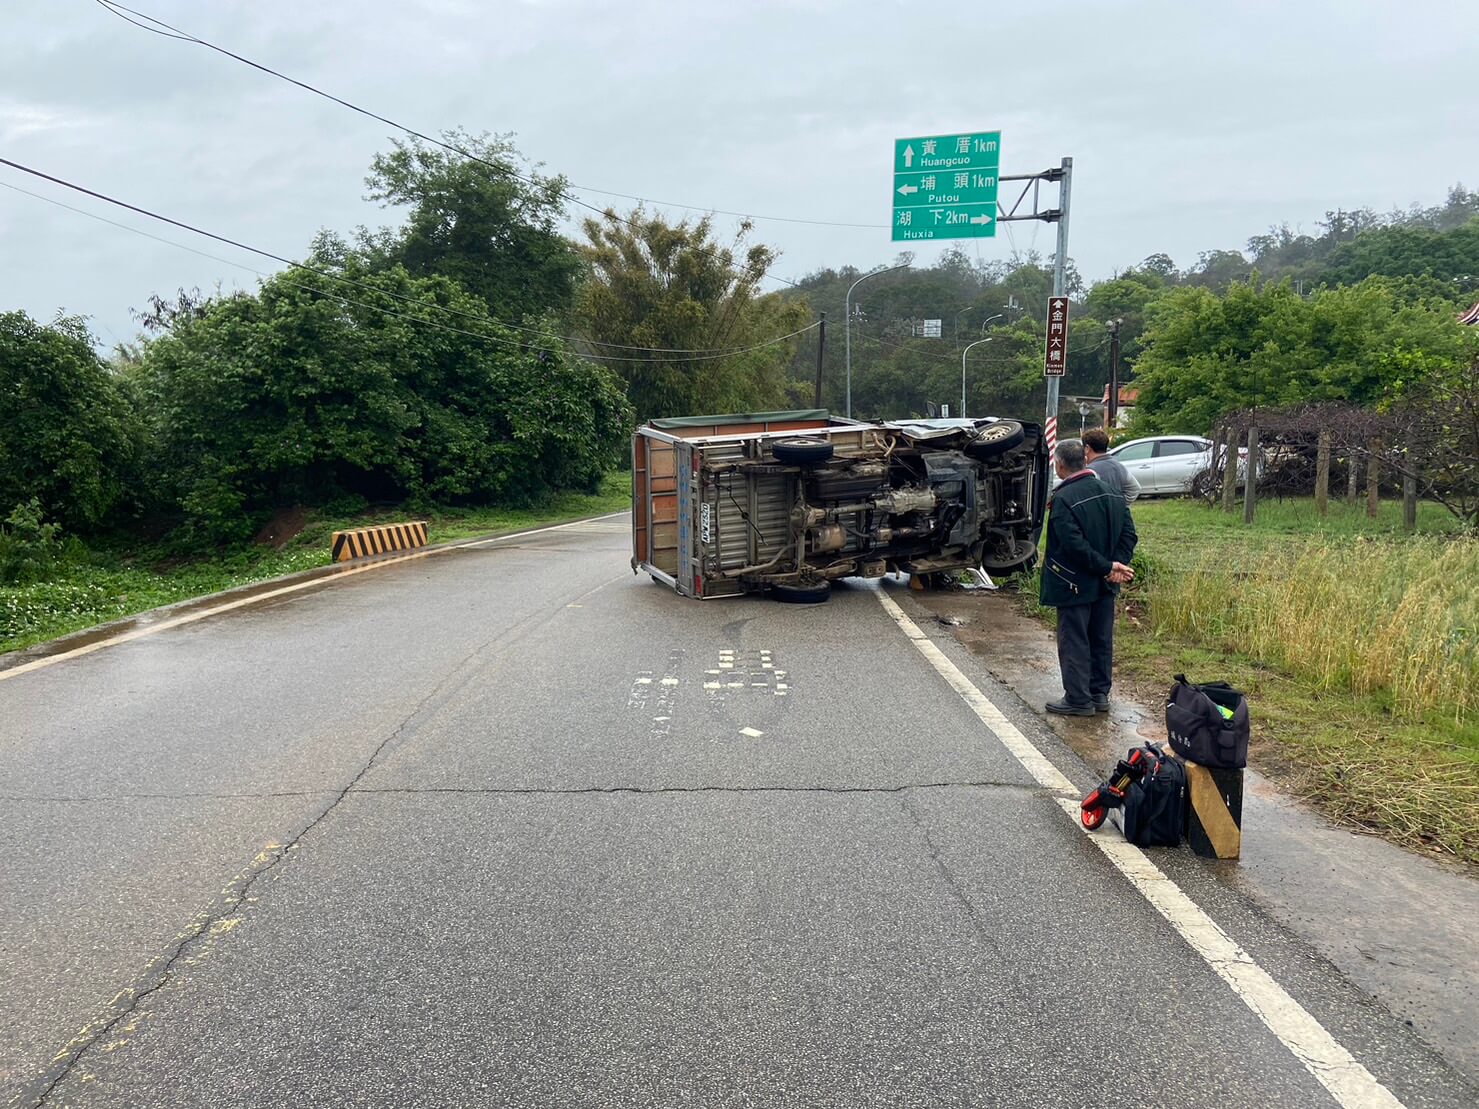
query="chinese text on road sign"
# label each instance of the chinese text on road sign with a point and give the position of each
(945, 186)
(1055, 362)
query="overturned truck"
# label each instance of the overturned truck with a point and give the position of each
(791, 501)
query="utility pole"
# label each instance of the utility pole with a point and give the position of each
(1114, 374)
(1060, 270)
(1063, 175)
(821, 351)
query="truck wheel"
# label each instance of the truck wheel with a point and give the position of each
(802, 594)
(801, 452)
(995, 439)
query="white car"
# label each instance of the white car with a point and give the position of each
(1166, 464)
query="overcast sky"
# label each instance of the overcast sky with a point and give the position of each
(1192, 125)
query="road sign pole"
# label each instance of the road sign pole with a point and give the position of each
(1060, 270)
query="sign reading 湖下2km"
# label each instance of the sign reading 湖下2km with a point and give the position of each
(945, 186)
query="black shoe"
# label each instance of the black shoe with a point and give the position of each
(1101, 704)
(1063, 708)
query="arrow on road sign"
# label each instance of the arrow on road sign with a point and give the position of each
(982, 219)
(905, 190)
(908, 156)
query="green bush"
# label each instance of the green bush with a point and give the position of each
(32, 550)
(298, 396)
(68, 433)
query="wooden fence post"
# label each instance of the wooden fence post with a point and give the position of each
(1353, 475)
(1230, 471)
(1409, 501)
(1373, 477)
(1322, 473)
(1250, 478)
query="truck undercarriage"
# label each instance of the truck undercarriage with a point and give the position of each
(792, 501)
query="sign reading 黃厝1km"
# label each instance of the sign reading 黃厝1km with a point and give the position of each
(945, 186)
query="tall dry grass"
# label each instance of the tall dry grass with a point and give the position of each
(1398, 618)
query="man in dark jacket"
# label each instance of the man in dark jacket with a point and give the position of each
(1091, 539)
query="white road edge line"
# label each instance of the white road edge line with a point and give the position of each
(328, 579)
(1350, 1083)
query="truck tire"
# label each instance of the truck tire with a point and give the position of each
(801, 452)
(802, 594)
(995, 439)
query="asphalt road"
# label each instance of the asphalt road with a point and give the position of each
(509, 826)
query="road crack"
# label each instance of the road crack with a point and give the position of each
(204, 928)
(1006, 967)
(657, 791)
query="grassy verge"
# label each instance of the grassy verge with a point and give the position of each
(120, 581)
(1358, 647)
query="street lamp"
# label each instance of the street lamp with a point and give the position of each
(987, 320)
(963, 353)
(962, 312)
(847, 324)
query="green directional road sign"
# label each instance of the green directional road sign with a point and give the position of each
(945, 186)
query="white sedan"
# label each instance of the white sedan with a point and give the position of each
(1166, 464)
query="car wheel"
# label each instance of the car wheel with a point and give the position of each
(801, 452)
(802, 594)
(995, 439)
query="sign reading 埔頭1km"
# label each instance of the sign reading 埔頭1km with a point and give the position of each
(945, 186)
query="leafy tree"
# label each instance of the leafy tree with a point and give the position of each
(312, 390)
(495, 231)
(1219, 269)
(673, 289)
(68, 434)
(1265, 345)
(1450, 256)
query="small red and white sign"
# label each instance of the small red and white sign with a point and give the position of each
(1052, 433)
(1055, 359)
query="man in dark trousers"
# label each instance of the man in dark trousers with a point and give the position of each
(1091, 539)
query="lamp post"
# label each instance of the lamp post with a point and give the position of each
(963, 353)
(962, 312)
(847, 325)
(987, 320)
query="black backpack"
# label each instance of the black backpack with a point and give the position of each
(1200, 731)
(1155, 806)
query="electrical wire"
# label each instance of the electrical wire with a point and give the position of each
(170, 31)
(694, 355)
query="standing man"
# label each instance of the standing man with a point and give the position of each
(1091, 539)
(1111, 471)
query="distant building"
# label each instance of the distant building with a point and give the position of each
(1128, 396)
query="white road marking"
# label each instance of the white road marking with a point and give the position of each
(229, 606)
(751, 732)
(1350, 1083)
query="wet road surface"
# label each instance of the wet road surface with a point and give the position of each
(508, 825)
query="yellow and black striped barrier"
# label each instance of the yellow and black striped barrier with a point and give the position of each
(359, 542)
(1214, 819)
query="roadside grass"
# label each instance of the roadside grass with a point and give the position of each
(115, 581)
(1357, 644)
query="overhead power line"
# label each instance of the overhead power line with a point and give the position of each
(694, 355)
(168, 30)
